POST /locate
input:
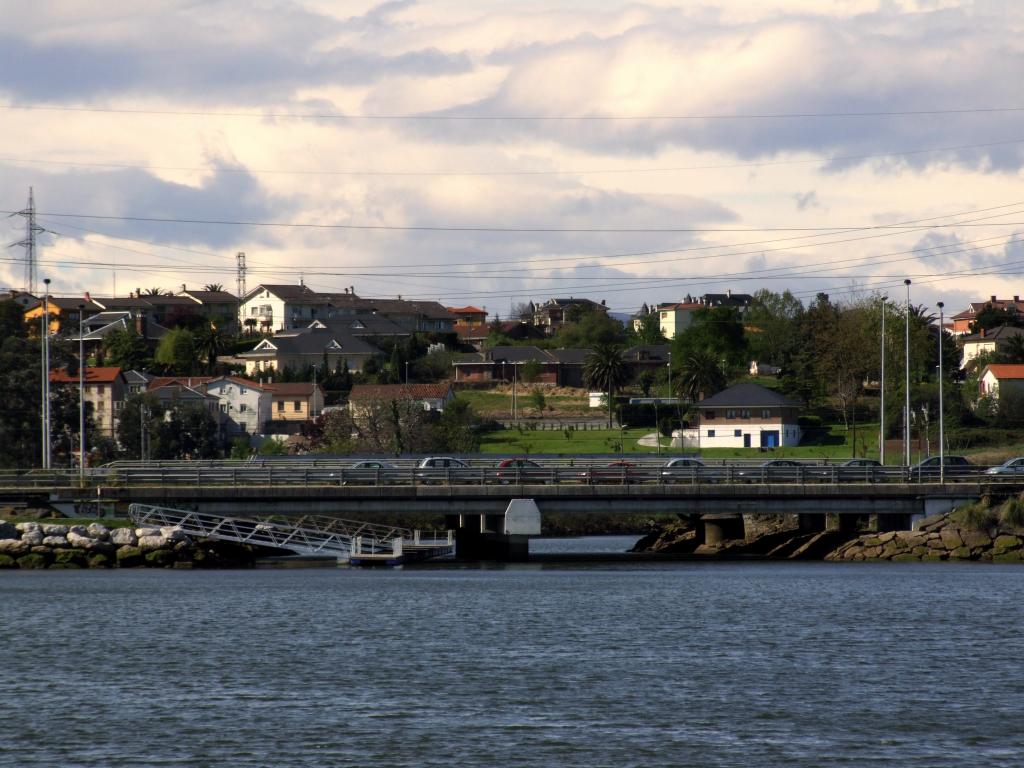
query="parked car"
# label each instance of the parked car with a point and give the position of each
(621, 472)
(772, 471)
(438, 469)
(930, 469)
(520, 471)
(684, 470)
(1013, 466)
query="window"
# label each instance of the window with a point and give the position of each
(243, 408)
(711, 433)
(296, 405)
(766, 413)
(745, 413)
(730, 414)
(280, 405)
(737, 433)
(223, 407)
(710, 416)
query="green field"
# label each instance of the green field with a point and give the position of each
(499, 404)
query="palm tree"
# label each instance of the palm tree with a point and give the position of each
(605, 369)
(1013, 352)
(209, 342)
(213, 287)
(700, 375)
(156, 292)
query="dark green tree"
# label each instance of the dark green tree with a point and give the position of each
(605, 369)
(126, 349)
(176, 352)
(701, 374)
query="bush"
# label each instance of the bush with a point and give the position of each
(976, 517)
(809, 422)
(1011, 513)
(980, 437)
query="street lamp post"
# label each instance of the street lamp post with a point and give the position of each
(46, 375)
(81, 392)
(942, 435)
(407, 372)
(881, 405)
(906, 405)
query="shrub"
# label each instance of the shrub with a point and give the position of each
(978, 517)
(1011, 513)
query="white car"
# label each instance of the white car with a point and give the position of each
(1013, 466)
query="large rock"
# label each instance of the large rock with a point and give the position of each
(147, 531)
(32, 561)
(98, 531)
(976, 539)
(14, 547)
(124, 537)
(152, 543)
(8, 531)
(951, 538)
(174, 533)
(75, 557)
(1005, 543)
(51, 540)
(80, 542)
(29, 526)
(33, 538)
(6, 561)
(129, 557)
(160, 558)
(53, 529)
(78, 530)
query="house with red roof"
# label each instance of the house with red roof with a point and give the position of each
(1001, 377)
(433, 397)
(469, 317)
(105, 389)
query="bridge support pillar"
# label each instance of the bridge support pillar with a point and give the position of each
(891, 522)
(478, 545)
(811, 522)
(842, 523)
(717, 529)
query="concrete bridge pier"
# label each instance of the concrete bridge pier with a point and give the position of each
(715, 529)
(810, 523)
(504, 537)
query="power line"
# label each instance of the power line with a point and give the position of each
(446, 117)
(563, 172)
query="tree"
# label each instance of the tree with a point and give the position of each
(531, 371)
(590, 328)
(156, 292)
(12, 320)
(176, 352)
(191, 432)
(538, 401)
(992, 317)
(209, 341)
(1012, 351)
(700, 375)
(719, 332)
(649, 330)
(605, 369)
(774, 321)
(138, 410)
(213, 287)
(126, 349)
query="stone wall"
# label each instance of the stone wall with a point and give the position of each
(938, 538)
(34, 545)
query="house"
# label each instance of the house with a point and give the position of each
(219, 307)
(739, 301)
(64, 314)
(105, 390)
(311, 347)
(674, 318)
(561, 367)
(417, 316)
(137, 381)
(1001, 377)
(295, 401)
(745, 415)
(433, 397)
(962, 320)
(473, 335)
(173, 393)
(270, 308)
(989, 341)
(245, 406)
(554, 313)
(362, 326)
(26, 300)
(469, 316)
(648, 357)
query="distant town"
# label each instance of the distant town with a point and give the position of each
(204, 373)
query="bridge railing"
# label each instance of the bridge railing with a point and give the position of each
(206, 475)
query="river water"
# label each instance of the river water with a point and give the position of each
(666, 664)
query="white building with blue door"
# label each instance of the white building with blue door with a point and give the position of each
(746, 415)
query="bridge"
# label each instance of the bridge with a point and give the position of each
(473, 500)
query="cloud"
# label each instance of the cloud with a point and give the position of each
(805, 200)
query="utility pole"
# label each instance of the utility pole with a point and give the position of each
(81, 394)
(46, 374)
(942, 436)
(143, 432)
(906, 432)
(881, 383)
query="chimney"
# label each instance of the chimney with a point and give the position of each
(183, 288)
(993, 299)
(728, 292)
(140, 324)
(983, 333)
(1016, 299)
(138, 293)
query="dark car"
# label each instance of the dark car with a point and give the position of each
(930, 469)
(773, 471)
(367, 472)
(851, 470)
(520, 471)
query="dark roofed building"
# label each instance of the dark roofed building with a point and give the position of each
(746, 415)
(297, 350)
(433, 397)
(561, 367)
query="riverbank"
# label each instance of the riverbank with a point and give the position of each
(51, 545)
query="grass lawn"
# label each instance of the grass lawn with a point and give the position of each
(499, 404)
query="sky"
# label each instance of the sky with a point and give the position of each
(497, 152)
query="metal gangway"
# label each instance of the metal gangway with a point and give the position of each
(347, 540)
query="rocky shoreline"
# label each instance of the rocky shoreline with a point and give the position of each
(37, 545)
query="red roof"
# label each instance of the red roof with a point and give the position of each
(102, 375)
(470, 310)
(400, 391)
(1006, 370)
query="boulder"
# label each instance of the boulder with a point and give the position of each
(951, 538)
(160, 558)
(55, 541)
(152, 543)
(887, 536)
(29, 527)
(129, 557)
(14, 547)
(976, 539)
(100, 561)
(53, 529)
(124, 537)
(75, 557)
(98, 531)
(148, 531)
(78, 530)
(961, 553)
(906, 557)
(8, 531)
(32, 561)
(174, 533)
(1012, 556)
(1005, 543)
(937, 544)
(33, 538)
(79, 541)
(6, 561)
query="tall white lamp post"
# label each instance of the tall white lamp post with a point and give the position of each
(81, 392)
(906, 386)
(942, 435)
(881, 406)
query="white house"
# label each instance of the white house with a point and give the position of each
(245, 405)
(271, 308)
(746, 415)
(998, 378)
(433, 397)
(990, 341)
